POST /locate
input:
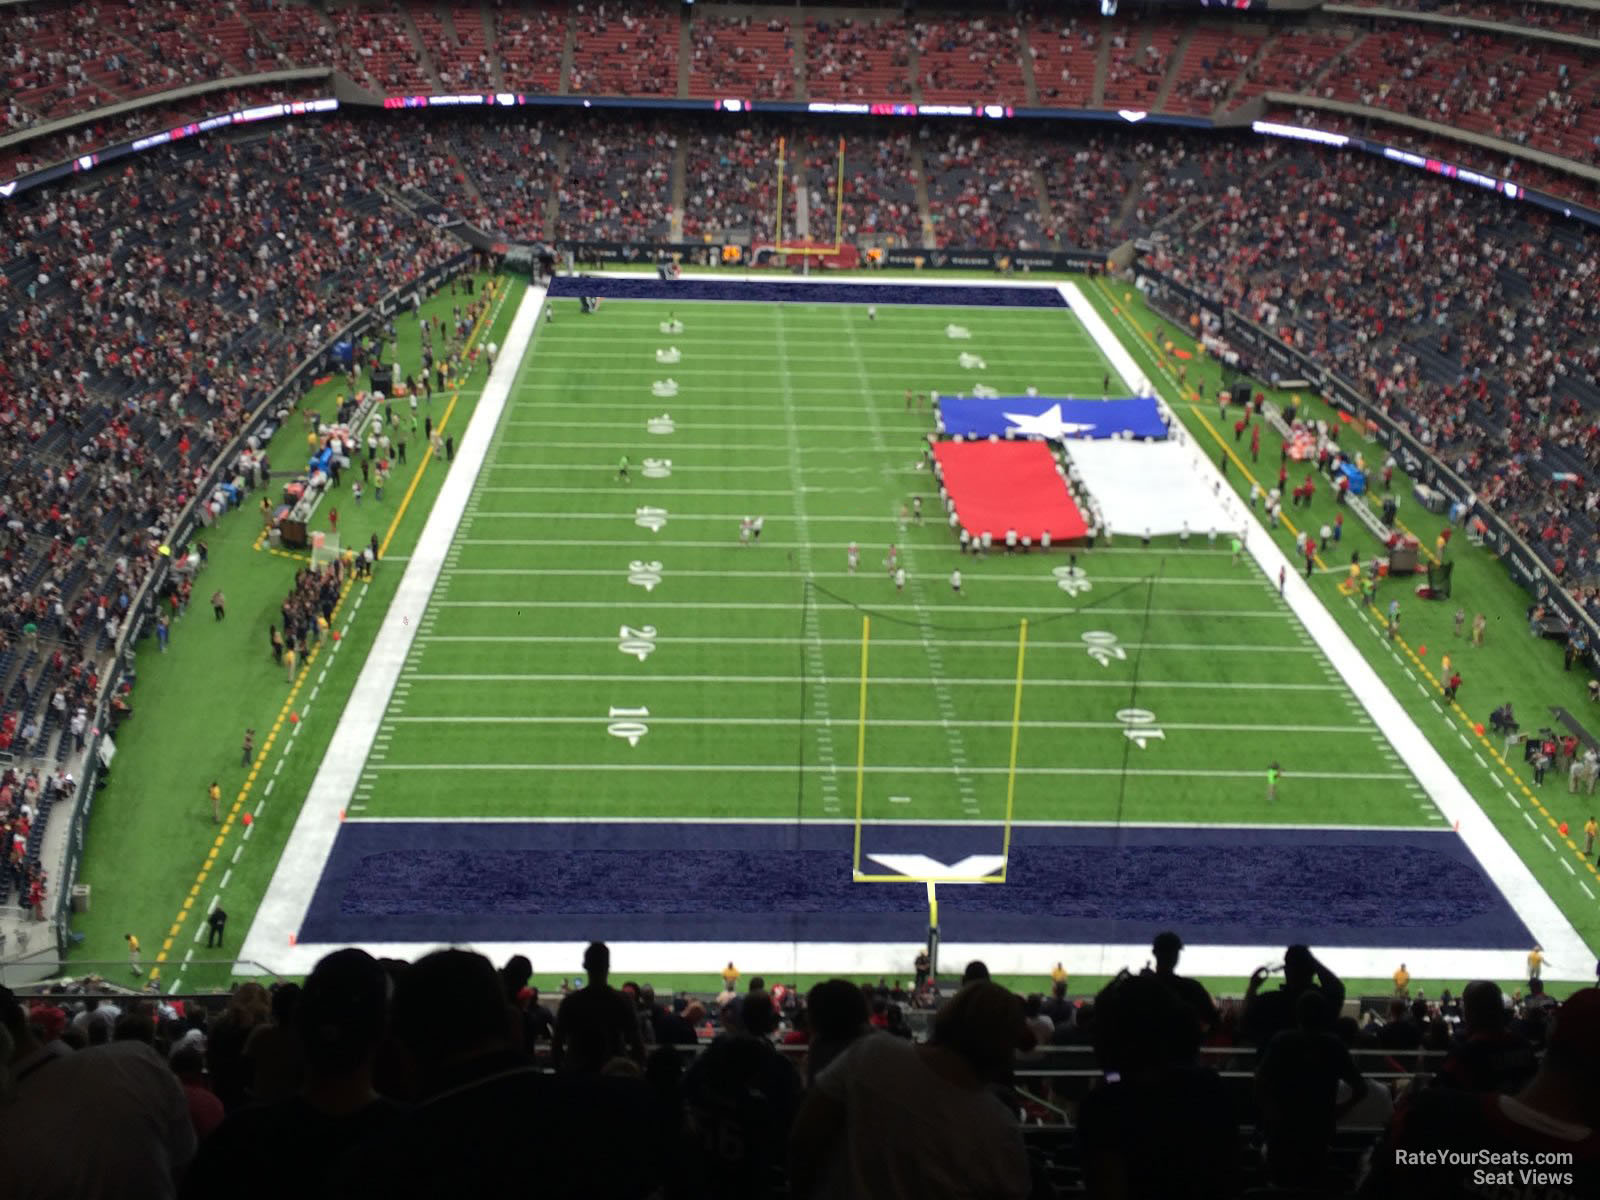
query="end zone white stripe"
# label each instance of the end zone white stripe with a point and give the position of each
(294, 880)
(1548, 924)
(893, 959)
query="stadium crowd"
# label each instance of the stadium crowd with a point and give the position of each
(145, 317)
(62, 59)
(448, 1076)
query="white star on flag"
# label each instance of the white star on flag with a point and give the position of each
(1047, 424)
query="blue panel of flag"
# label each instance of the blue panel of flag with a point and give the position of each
(1054, 417)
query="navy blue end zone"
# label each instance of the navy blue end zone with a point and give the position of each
(421, 881)
(784, 291)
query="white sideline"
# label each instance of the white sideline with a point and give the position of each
(294, 880)
(893, 959)
(1500, 862)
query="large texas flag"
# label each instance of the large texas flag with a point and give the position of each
(1053, 417)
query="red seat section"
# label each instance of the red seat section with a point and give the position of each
(744, 57)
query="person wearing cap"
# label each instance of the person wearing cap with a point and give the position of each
(289, 1147)
(1267, 1013)
(1554, 1120)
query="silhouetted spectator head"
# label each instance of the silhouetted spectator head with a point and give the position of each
(341, 1016)
(1574, 1046)
(136, 1026)
(515, 974)
(1536, 986)
(597, 963)
(450, 1006)
(14, 1018)
(758, 1015)
(1139, 1024)
(1313, 1013)
(285, 998)
(837, 1008)
(187, 1062)
(982, 1024)
(1165, 950)
(1483, 1007)
(977, 972)
(1299, 965)
(757, 984)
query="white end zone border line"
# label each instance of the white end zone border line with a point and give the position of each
(1500, 862)
(294, 881)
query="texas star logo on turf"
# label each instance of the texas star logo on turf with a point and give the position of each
(922, 866)
(1047, 424)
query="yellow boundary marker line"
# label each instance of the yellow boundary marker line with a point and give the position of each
(1465, 718)
(1460, 713)
(305, 670)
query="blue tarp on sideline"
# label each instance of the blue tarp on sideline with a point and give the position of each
(1053, 417)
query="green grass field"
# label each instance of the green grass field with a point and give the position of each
(558, 608)
(602, 647)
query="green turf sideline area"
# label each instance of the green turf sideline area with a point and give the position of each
(1512, 665)
(151, 832)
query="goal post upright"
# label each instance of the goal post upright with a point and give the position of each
(777, 227)
(861, 742)
(1016, 730)
(838, 210)
(838, 203)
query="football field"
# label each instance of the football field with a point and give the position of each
(602, 706)
(601, 646)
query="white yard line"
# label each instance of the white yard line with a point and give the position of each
(899, 723)
(780, 571)
(499, 639)
(1034, 611)
(877, 680)
(580, 768)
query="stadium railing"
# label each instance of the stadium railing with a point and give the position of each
(1285, 361)
(63, 873)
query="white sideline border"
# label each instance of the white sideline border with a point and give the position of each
(1507, 871)
(305, 854)
(268, 943)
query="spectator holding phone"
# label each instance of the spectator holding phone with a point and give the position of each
(1267, 1013)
